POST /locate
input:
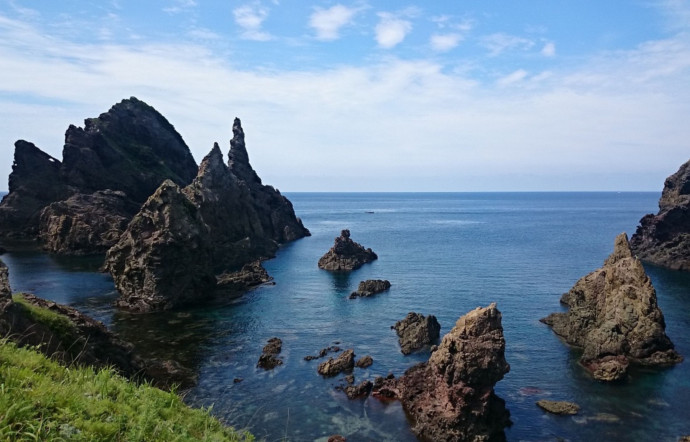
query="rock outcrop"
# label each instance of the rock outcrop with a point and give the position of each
(86, 223)
(613, 315)
(416, 331)
(130, 149)
(5, 291)
(332, 367)
(250, 275)
(269, 356)
(164, 258)
(222, 221)
(370, 287)
(664, 239)
(451, 397)
(364, 361)
(346, 255)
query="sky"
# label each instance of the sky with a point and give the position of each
(461, 95)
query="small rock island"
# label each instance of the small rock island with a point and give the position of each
(613, 315)
(346, 255)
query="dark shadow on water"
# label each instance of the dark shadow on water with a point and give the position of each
(340, 281)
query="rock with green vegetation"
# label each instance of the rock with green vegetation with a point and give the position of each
(227, 222)
(131, 148)
(664, 239)
(613, 315)
(43, 400)
(164, 259)
(5, 290)
(558, 407)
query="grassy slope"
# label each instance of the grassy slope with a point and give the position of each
(43, 400)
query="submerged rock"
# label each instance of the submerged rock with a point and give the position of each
(332, 367)
(227, 221)
(664, 239)
(613, 315)
(130, 149)
(268, 359)
(371, 287)
(558, 407)
(416, 331)
(163, 260)
(346, 255)
(451, 397)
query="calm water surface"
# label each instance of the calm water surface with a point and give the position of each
(444, 254)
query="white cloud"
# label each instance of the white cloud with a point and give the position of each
(180, 6)
(512, 78)
(549, 49)
(250, 18)
(328, 22)
(499, 43)
(391, 30)
(445, 42)
(419, 126)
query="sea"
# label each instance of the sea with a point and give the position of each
(444, 254)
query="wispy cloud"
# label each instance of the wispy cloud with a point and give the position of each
(549, 49)
(178, 6)
(328, 22)
(445, 42)
(250, 18)
(391, 30)
(499, 43)
(512, 78)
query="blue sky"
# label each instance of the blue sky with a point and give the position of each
(371, 95)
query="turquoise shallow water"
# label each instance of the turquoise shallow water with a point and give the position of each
(444, 254)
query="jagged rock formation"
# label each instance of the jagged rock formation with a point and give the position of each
(346, 255)
(613, 315)
(332, 367)
(370, 287)
(451, 397)
(268, 359)
(364, 361)
(562, 408)
(323, 352)
(361, 390)
(250, 275)
(225, 219)
(416, 331)
(164, 258)
(664, 239)
(86, 223)
(131, 148)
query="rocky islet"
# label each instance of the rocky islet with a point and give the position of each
(346, 255)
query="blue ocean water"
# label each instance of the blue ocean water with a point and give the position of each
(444, 254)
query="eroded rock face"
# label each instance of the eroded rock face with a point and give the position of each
(613, 315)
(86, 223)
(370, 287)
(451, 397)
(225, 223)
(346, 255)
(5, 290)
(416, 331)
(163, 260)
(664, 239)
(131, 149)
(332, 367)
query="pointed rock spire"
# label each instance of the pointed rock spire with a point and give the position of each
(238, 159)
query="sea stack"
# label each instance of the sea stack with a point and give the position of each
(613, 315)
(182, 239)
(81, 205)
(664, 239)
(346, 255)
(451, 397)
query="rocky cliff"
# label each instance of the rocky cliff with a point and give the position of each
(451, 397)
(664, 239)
(345, 255)
(613, 315)
(181, 237)
(129, 149)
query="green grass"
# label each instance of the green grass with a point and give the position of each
(43, 400)
(59, 324)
